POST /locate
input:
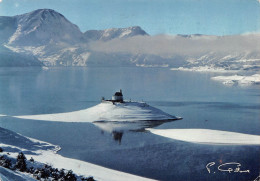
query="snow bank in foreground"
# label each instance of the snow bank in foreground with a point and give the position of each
(85, 168)
(207, 136)
(43, 152)
(106, 111)
(238, 79)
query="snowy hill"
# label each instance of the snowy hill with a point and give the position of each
(106, 111)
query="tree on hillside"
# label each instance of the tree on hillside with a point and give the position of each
(21, 162)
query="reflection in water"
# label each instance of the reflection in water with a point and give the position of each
(117, 128)
(117, 136)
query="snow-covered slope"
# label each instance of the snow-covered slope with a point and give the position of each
(10, 175)
(106, 111)
(9, 58)
(207, 136)
(11, 142)
(45, 153)
(27, 35)
(43, 26)
(112, 33)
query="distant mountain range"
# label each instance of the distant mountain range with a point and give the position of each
(46, 38)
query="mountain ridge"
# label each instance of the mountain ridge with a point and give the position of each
(112, 33)
(49, 36)
(38, 26)
(52, 39)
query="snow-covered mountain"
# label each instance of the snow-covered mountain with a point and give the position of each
(43, 26)
(49, 37)
(54, 40)
(46, 26)
(112, 33)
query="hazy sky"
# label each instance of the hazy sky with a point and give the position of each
(214, 17)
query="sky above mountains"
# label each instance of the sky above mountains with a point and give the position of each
(212, 17)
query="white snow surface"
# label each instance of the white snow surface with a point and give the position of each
(43, 26)
(239, 79)
(9, 175)
(45, 153)
(208, 136)
(106, 111)
(204, 69)
(85, 168)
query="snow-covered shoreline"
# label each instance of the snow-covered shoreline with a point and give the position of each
(243, 79)
(85, 168)
(204, 69)
(238, 79)
(46, 153)
(208, 136)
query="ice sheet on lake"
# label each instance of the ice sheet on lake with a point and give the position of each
(208, 136)
(106, 111)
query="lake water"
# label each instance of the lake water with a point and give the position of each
(202, 102)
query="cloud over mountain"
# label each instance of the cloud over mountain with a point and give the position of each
(49, 37)
(167, 45)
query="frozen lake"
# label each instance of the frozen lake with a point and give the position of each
(202, 103)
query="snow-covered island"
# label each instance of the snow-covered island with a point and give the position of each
(114, 116)
(43, 154)
(114, 110)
